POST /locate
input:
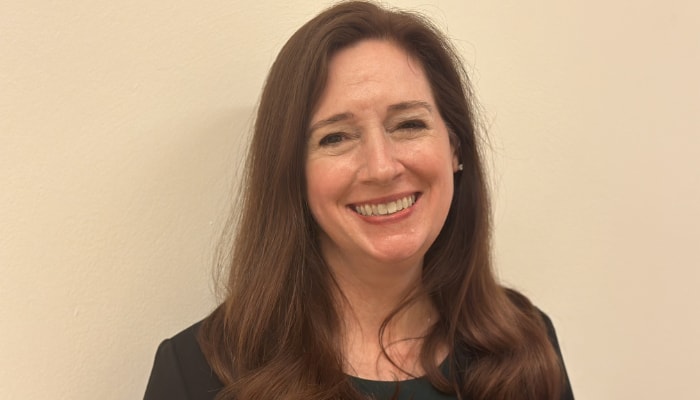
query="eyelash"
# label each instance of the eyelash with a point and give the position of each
(328, 140)
(413, 124)
(337, 137)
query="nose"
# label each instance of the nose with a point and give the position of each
(381, 162)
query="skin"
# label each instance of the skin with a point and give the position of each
(377, 136)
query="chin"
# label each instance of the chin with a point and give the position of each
(399, 258)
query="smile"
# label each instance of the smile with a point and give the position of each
(370, 210)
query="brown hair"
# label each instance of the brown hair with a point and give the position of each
(276, 334)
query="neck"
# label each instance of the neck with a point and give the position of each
(368, 294)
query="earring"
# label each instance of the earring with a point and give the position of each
(460, 167)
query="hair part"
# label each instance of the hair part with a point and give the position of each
(276, 333)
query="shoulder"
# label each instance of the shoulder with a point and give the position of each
(180, 370)
(524, 304)
(568, 392)
(551, 332)
(464, 356)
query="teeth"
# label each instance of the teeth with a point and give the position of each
(386, 208)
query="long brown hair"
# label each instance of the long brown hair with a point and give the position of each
(276, 334)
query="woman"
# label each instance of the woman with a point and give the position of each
(361, 264)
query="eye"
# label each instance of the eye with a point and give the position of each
(413, 124)
(331, 139)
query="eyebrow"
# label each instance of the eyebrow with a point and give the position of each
(403, 106)
(407, 105)
(333, 119)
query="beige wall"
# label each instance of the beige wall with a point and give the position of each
(121, 125)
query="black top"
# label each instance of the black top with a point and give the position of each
(180, 372)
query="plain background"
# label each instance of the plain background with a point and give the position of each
(122, 125)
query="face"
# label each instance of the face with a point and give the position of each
(379, 165)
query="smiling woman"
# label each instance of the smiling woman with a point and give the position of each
(361, 267)
(389, 146)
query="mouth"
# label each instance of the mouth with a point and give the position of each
(388, 208)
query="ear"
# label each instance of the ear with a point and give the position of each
(454, 146)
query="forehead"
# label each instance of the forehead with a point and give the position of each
(372, 73)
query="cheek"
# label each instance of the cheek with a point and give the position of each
(312, 191)
(323, 187)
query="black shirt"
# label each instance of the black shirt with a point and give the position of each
(180, 372)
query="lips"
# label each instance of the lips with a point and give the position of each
(388, 208)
